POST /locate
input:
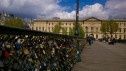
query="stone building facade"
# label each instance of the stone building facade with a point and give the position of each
(90, 26)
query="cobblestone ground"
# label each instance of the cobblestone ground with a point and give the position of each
(103, 57)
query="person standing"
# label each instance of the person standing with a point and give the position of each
(89, 40)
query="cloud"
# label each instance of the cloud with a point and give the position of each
(65, 15)
(116, 8)
(51, 8)
(35, 8)
(96, 10)
(31, 8)
(111, 9)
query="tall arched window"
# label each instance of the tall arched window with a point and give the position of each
(49, 29)
(92, 29)
(37, 28)
(66, 23)
(32, 28)
(124, 36)
(96, 29)
(124, 30)
(86, 28)
(120, 30)
(43, 28)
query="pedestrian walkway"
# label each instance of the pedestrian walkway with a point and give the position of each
(103, 57)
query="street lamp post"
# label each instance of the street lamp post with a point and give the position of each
(77, 32)
(77, 18)
(86, 31)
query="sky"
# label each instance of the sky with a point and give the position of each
(65, 9)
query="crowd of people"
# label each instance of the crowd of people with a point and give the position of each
(38, 53)
(109, 40)
(90, 39)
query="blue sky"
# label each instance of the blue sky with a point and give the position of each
(72, 3)
(65, 9)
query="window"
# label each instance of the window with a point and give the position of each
(32, 28)
(119, 29)
(124, 30)
(92, 29)
(120, 24)
(115, 36)
(120, 37)
(39, 28)
(52, 28)
(96, 29)
(124, 24)
(86, 29)
(96, 36)
(43, 28)
(36, 28)
(66, 23)
(124, 36)
(49, 29)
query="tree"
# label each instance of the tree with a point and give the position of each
(14, 22)
(64, 31)
(104, 27)
(81, 33)
(113, 27)
(57, 28)
(80, 29)
(71, 31)
(109, 26)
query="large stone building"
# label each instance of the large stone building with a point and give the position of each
(4, 16)
(90, 26)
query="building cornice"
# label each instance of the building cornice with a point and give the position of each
(71, 20)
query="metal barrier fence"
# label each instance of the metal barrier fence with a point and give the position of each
(26, 50)
(121, 41)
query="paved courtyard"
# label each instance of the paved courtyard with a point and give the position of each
(103, 57)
